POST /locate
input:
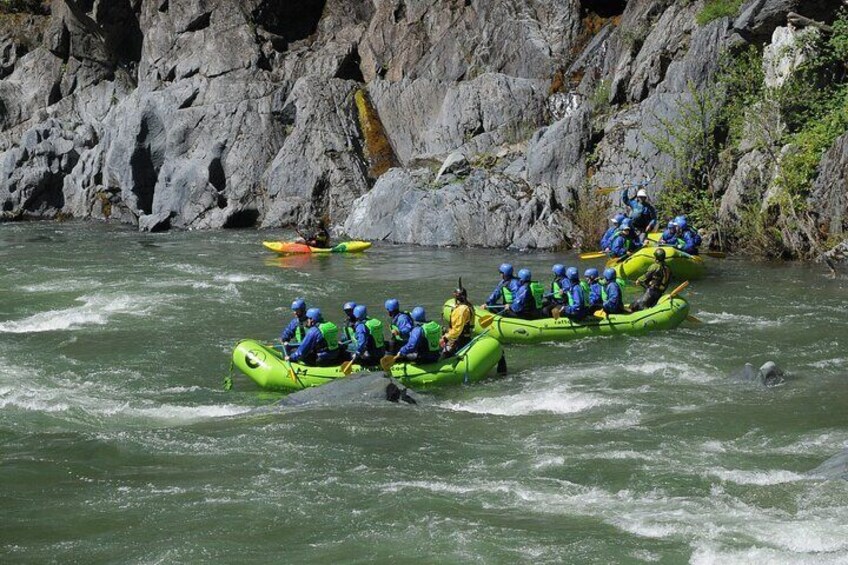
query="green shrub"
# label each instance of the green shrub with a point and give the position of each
(715, 9)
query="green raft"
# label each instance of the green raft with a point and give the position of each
(684, 267)
(667, 314)
(266, 367)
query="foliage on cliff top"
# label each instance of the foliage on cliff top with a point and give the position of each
(715, 9)
(37, 7)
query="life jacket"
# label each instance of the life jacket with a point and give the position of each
(349, 331)
(330, 333)
(433, 334)
(375, 328)
(506, 292)
(300, 331)
(537, 291)
(395, 330)
(467, 329)
(604, 291)
(586, 292)
(556, 289)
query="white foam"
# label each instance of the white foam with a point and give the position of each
(714, 318)
(555, 402)
(95, 310)
(773, 477)
(714, 555)
(628, 419)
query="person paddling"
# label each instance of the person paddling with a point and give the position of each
(592, 289)
(611, 293)
(401, 325)
(348, 339)
(576, 300)
(670, 236)
(505, 289)
(606, 239)
(527, 300)
(318, 237)
(370, 343)
(296, 329)
(423, 343)
(624, 243)
(556, 298)
(690, 239)
(320, 347)
(461, 323)
(655, 282)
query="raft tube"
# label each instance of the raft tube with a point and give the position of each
(666, 315)
(684, 267)
(294, 247)
(266, 367)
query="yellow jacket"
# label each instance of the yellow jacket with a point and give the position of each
(462, 316)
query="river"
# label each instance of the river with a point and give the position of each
(119, 443)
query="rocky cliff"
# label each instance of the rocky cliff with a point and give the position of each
(469, 122)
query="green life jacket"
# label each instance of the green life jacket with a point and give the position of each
(433, 334)
(507, 294)
(556, 289)
(299, 333)
(538, 293)
(330, 333)
(586, 292)
(350, 334)
(375, 328)
(604, 291)
(396, 330)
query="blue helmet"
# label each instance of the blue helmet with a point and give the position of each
(558, 270)
(313, 314)
(617, 218)
(681, 222)
(524, 275)
(625, 224)
(299, 305)
(392, 305)
(418, 314)
(671, 225)
(349, 306)
(609, 274)
(360, 312)
(572, 274)
(591, 273)
(505, 269)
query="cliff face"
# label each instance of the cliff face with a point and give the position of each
(205, 114)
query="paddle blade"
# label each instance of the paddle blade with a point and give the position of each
(716, 254)
(556, 313)
(348, 367)
(693, 319)
(387, 362)
(486, 321)
(593, 255)
(292, 376)
(679, 289)
(607, 189)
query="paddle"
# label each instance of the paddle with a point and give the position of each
(678, 290)
(592, 255)
(693, 319)
(387, 362)
(292, 374)
(486, 321)
(347, 368)
(607, 189)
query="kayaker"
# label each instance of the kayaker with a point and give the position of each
(655, 281)
(348, 329)
(296, 330)
(423, 343)
(611, 293)
(317, 237)
(461, 323)
(320, 346)
(527, 301)
(592, 289)
(556, 297)
(370, 344)
(606, 239)
(624, 243)
(505, 289)
(690, 239)
(401, 325)
(643, 215)
(576, 307)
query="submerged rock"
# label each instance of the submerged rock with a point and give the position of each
(769, 374)
(834, 468)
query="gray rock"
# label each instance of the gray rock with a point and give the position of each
(485, 209)
(834, 468)
(455, 164)
(829, 195)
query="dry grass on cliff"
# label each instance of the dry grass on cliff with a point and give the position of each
(590, 217)
(378, 149)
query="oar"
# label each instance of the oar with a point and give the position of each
(678, 290)
(693, 319)
(348, 367)
(592, 255)
(607, 189)
(291, 370)
(387, 362)
(486, 321)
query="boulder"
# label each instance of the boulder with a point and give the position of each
(485, 209)
(829, 195)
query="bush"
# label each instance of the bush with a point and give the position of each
(715, 9)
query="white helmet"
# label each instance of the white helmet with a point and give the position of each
(642, 192)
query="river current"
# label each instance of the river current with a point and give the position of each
(119, 444)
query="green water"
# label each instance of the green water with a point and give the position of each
(118, 444)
